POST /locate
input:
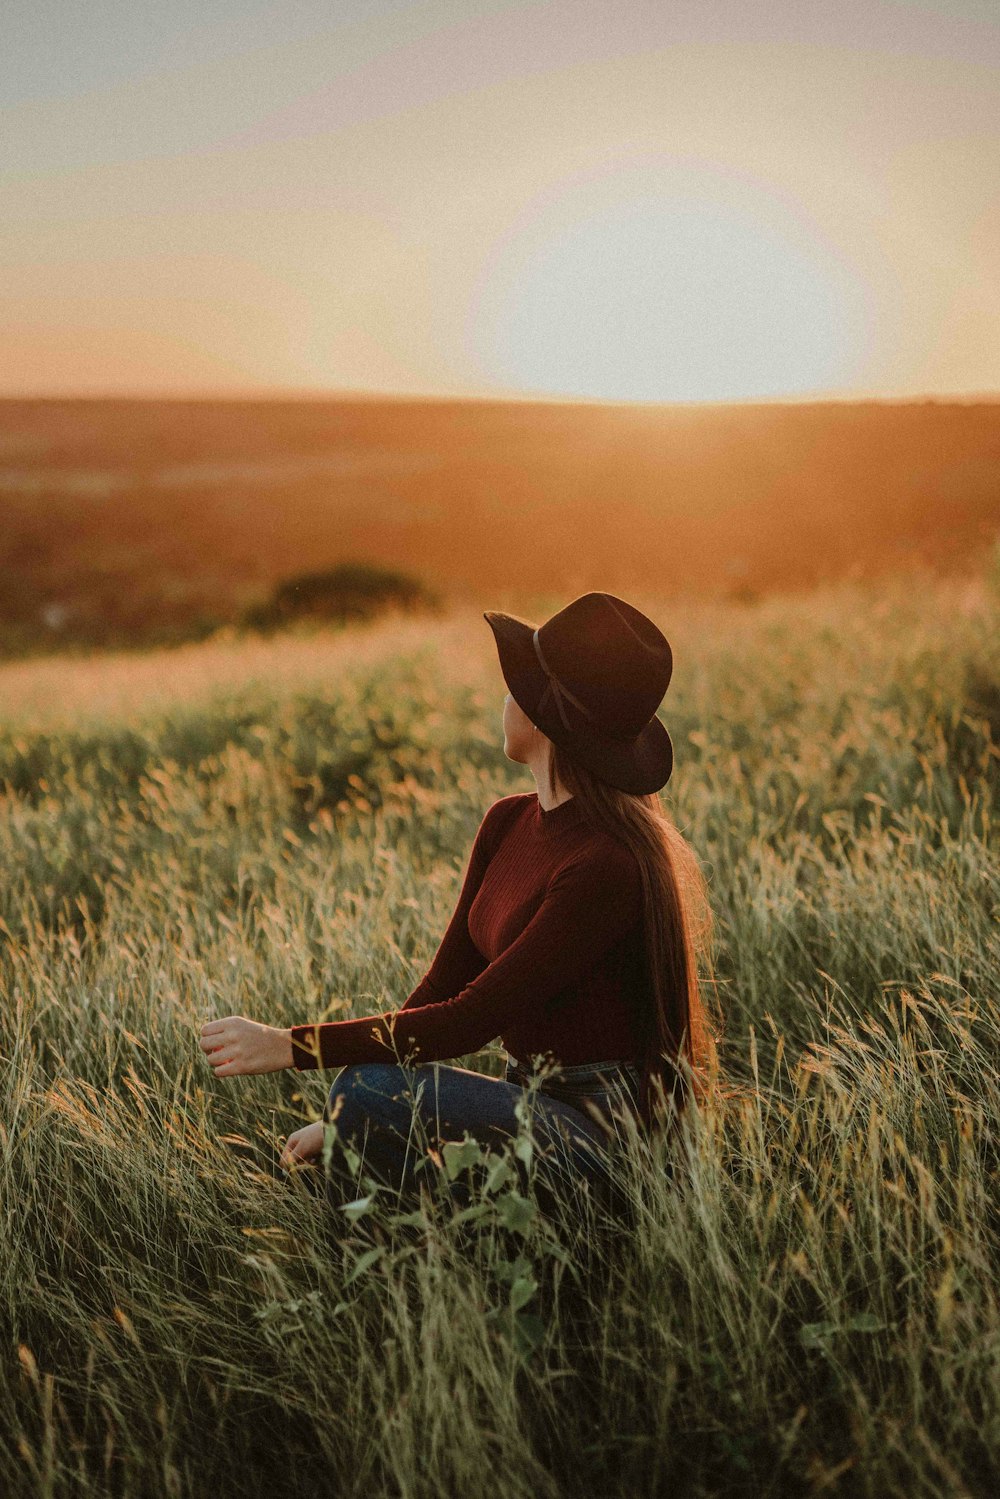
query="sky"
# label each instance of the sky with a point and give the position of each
(630, 200)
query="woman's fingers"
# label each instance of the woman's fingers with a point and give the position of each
(291, 1146)
(213, 1042)
(213, 1029)
(303, 1144)
(218, 1040)
(231, 1069)
(221, 1058)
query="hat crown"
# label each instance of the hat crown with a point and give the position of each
(613, 660)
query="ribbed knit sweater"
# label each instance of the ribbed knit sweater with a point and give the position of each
(544, 950)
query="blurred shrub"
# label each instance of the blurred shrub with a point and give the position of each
(350, 591)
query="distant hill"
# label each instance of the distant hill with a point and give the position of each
(143, 520)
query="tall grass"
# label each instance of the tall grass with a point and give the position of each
(806, 1297)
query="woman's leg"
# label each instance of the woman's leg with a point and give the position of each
(389, 1115)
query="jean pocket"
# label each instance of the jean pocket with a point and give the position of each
(604, 1088)
(605, 1099)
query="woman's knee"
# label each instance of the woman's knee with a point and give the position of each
(362, 1091)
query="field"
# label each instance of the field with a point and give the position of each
(279, 828)
(156, 521)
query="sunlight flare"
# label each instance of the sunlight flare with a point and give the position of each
(673, 285)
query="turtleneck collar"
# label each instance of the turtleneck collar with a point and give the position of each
(563, 815)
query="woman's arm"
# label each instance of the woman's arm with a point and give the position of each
(589, 905)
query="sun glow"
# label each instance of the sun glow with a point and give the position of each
(674, 285)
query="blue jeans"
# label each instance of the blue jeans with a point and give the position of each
(389, 1115)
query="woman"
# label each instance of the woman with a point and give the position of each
(575, 938)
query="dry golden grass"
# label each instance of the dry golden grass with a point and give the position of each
(810, 1305)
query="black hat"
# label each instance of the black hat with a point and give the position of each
(591, 678)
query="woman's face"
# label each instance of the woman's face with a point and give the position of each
(517, 731)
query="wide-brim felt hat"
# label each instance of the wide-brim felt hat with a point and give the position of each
(591, 678)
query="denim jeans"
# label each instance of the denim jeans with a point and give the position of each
(390, 1114)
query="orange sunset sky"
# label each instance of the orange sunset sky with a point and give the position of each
(628, 201)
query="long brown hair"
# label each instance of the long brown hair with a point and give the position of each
(679, 1029)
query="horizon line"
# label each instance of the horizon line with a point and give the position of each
(277, 394)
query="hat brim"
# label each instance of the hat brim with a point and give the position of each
(640, 766)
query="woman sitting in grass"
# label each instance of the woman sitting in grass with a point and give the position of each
(574, 939)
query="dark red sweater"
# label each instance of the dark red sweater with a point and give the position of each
(544, 950)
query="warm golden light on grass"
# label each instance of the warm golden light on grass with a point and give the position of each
(279, 830)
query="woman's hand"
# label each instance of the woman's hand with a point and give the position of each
(302, 1145)
(235, 1045)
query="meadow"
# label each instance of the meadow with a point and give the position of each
(807, 1301)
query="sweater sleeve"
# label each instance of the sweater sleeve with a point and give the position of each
(457, 960)
(590, 903)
